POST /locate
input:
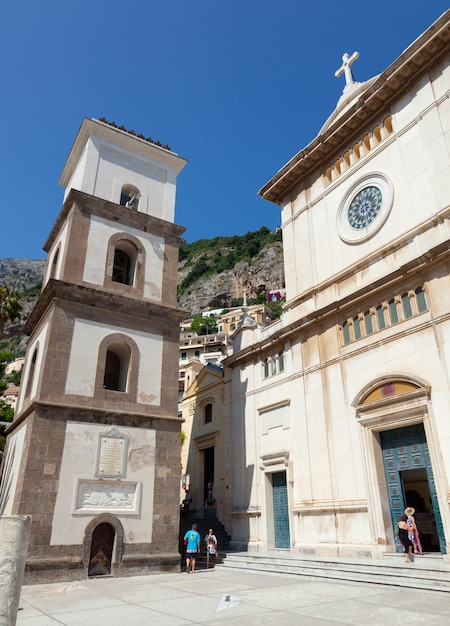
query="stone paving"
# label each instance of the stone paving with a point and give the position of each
(227, 597)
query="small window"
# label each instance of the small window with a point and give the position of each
(357, 328)
(420, 299)
(197, 353)
(281, 362)
(129, 197)
(183, 356)
(274, 366)
(406, 306)
(346, 333)
(368, 323)
(208, 413)
(393, 311)
(380, 317)
(266, 368)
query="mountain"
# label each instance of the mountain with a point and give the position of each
(212, 273)
(248, 277)
(22, 274)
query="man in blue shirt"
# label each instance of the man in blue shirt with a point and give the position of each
(192, 542)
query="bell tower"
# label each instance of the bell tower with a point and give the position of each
(93, 453)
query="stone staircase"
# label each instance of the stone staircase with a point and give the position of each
(205, 519)
(426, 572)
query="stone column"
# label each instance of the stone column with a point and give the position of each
(14, 534)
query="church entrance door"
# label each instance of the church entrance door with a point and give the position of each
(280, 510)
(410, 482)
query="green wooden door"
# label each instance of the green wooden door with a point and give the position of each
(407, 449)
(281, 510)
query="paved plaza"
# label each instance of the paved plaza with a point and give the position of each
(227, 597)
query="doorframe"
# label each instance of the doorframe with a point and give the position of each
(411, 407)
(271, 464)
(202, 443)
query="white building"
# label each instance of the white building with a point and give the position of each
(339, 412)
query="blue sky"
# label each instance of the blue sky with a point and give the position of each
(237, 87)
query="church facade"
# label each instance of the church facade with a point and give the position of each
(339, 411)
(93, 451)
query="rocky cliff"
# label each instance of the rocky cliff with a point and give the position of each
(249, 277)
(265, 270)
(22, 274)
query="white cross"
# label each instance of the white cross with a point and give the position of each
(345, 67)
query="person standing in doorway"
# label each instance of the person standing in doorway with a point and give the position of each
(209, 492)
(187, 501)
(211, 546)
(192, 548)
(403, 535)
(413, 532)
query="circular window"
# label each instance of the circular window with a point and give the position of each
(364, 208)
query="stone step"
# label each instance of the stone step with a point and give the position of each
(424, 573)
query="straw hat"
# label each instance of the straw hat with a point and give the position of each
(409, 510)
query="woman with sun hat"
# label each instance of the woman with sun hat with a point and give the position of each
(413, 532)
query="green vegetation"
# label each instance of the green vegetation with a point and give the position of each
(6, 415)
(212, 256)
(10, 306)
(6, 412)
(204, 325)
(31, 292)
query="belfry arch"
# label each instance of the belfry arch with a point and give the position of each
(402, 456)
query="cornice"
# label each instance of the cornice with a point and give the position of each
(116, 136)
(433, 256)
(115, 213)
(58, 291)
(85, 414)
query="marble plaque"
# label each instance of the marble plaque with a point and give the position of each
(107, 496)
(112, 454)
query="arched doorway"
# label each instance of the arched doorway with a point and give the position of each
(410, 481)
(101, 550)
(397, 432)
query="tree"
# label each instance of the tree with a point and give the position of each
(14, 377)
(10, 306)
(6, 415)
(204, 325)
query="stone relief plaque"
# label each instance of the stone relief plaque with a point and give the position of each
(112, 454)
(107, 496)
